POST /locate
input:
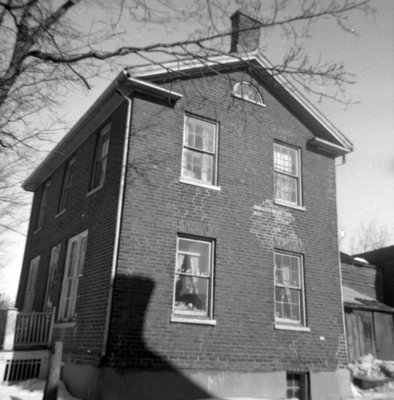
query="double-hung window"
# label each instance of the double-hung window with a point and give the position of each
(289, 290)
(53, 264)
(43, 205)
(193, 278)
(67, 183)
(287, 174)
(100, 158)
(199, 156)
(75, 260)
(31, 285)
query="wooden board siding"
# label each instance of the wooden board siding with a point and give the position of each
(384, 334)
(369, 332)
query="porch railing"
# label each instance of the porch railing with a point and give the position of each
(26, 329)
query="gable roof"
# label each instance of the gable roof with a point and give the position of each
(146, 79)
(327, 135)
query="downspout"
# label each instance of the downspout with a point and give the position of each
(118, 223)
(343, 305)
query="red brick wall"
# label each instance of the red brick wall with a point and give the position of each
(241, 218)
(97, 213)
(246, 226)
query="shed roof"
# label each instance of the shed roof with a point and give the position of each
(355, 299)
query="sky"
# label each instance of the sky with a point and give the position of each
(365, 182)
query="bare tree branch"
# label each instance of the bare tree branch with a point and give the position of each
(46, 50)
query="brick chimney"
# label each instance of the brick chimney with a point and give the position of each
(245, 33)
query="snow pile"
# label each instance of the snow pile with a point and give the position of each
(367, 367)
(374, 378)
(32, 389)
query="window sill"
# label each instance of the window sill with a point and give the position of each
(290, 205)
(196, 183)
(287, 327)
(250, 101)
(64, 325)
(60, 213)
(196, 321)
(93, 191)
(38, 230)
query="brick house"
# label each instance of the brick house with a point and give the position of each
(185, 230)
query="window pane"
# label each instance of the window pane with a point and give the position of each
(100, 158)
(286, 188)
(73, 260)
(288, 303)
(247, 92)
(295, 386)
(194, 257)
(197, 166)
(191, 294)
(285, 160)
(200, 135)
(295, 272)
(238, 89)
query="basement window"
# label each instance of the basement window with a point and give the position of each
(297, 386)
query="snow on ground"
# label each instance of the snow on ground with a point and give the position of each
(30, 390)
(384, 392)
(34, 389)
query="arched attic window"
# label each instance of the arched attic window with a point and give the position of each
(248, 92)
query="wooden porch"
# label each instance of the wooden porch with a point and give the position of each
(25, 330)
(25, 339)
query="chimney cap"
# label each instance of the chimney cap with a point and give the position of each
(245, 14)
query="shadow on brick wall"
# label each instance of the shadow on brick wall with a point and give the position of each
(132, 370)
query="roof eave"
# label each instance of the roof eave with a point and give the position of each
(341, 144)
(328, 147)
(66, 147)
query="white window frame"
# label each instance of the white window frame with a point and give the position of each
(67, 184)
(100, 161)
(214, 154)
(43, 205)
(278, 147)
(53, 265)
(73, 270)
(287, 322)
(193, 316)
(31, 284)
(244, 94)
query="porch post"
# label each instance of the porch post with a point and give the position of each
(9, 328)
